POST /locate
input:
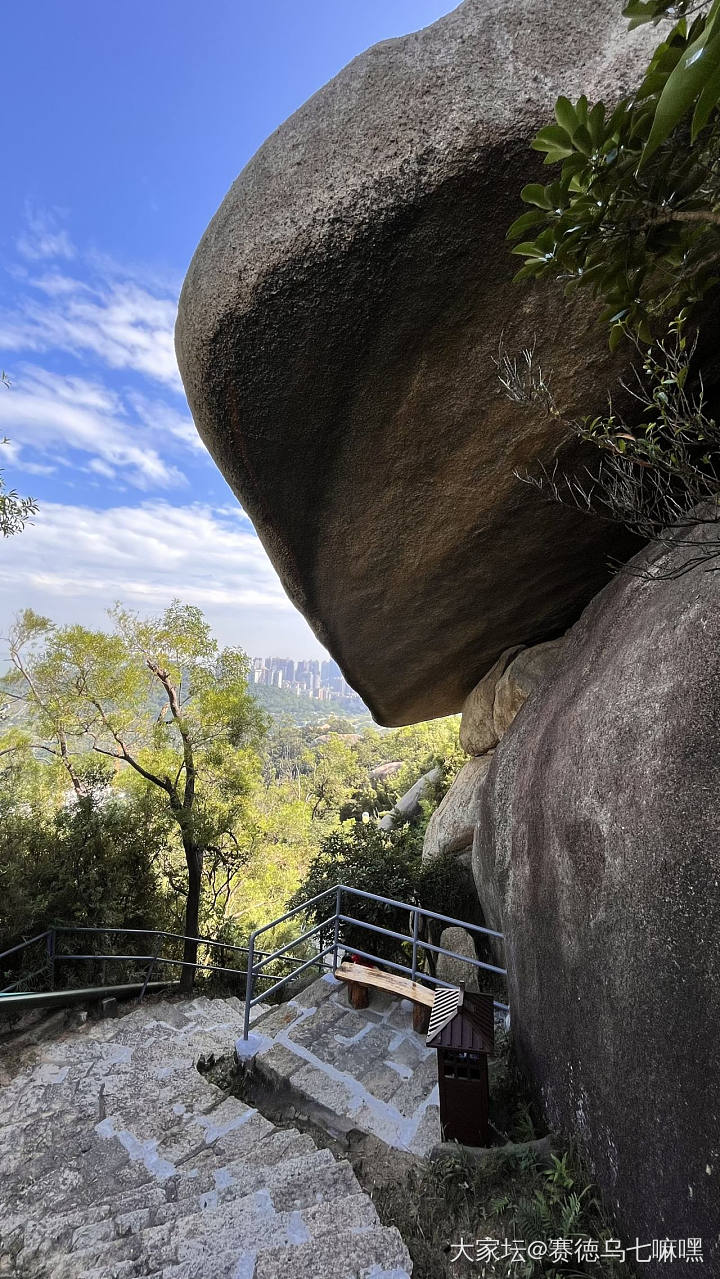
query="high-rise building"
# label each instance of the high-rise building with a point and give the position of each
(322, 681)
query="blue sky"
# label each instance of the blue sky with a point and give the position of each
(125, 124)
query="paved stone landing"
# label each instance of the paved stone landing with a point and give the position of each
(368, 1066)
(119, 1159)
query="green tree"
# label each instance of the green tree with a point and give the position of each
(390, 865)
(15, 511)
(335, 771)
(77, 860)
(366, 858)
(160, 699)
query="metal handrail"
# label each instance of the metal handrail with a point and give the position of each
(23, 944)
(426, 945)
(158, 936)
(257, 960)
(254, 969)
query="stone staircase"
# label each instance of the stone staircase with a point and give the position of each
(119, 1159)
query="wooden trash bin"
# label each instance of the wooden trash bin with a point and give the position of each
(462, 1029)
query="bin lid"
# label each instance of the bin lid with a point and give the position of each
(462, 1020)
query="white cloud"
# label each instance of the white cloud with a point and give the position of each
(55, 413)
(44, 237)
(74, 562)
(123, 324)
(120, 422)
(164, 420)
(150, 552)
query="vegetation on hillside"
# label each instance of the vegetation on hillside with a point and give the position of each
(633, 217)
(142, 786)
(281, 703)
(457, 1214)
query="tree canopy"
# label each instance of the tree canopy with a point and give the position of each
(157, 697)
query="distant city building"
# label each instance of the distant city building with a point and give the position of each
(322, 681)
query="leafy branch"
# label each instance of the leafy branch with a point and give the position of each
(634, 216)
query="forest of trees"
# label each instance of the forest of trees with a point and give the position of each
(144, 787)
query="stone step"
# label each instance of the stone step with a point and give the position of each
(245, 1177)
(267, 1217)
(283, 1164)
(245, 1250)
(376, 1253)
(158, 1172)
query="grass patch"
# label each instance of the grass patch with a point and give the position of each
(505, 1196)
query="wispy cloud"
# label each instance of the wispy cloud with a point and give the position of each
(146, 556)
(44, 237)
(121, 323)
(100, 409)
(48, 415)
(165, 421)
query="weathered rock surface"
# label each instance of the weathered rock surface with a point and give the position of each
(381, 772)
(599, 828)
(452, 825)
(477, 725)
(453, 970)
(336, 336)
(520, 678)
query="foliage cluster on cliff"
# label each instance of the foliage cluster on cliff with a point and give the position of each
(633, 218)
(634, 214)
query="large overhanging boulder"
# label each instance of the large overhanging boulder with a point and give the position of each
(336, 337)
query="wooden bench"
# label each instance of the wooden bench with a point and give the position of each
(359, 977)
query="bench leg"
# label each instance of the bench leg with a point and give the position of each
(357, 995)
(421, 1018)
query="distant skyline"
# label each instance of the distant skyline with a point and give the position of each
(129, 124)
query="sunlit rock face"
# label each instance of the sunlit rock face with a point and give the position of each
(596, 851)
(336, 337)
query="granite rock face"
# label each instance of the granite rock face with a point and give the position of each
(597, 847)
(336, 336)
(521, 677)
(478, 733)
(451, 827)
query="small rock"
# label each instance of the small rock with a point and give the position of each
(454, 970)
(477, 727)
(522, 675)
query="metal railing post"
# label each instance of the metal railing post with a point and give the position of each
(151, 965)
(416, 930)
(51, 944)
(249, 983)
(336, 929)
